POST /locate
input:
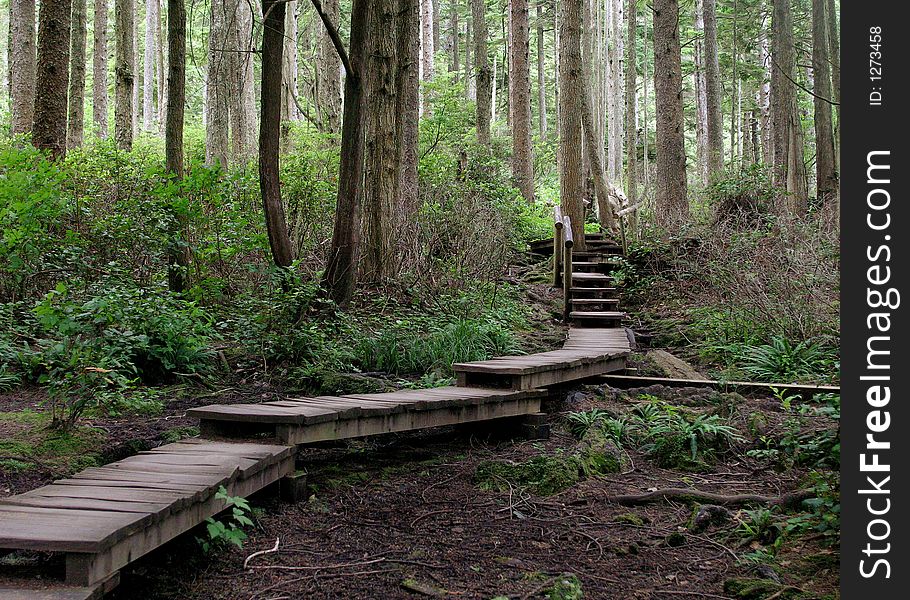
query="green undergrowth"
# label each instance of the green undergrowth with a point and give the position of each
(29, 443)
(549, 474)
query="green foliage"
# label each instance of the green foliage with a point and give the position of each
(228, 530)
(758, 525)
(784, 361)
(744, 197)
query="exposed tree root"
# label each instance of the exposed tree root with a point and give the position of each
(789, 500)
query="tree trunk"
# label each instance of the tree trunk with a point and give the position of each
(672, 206)
(408, 115)
(712, 90)
(572, 98)
(381, 153)
(631, 179)
(217, 87)
(289, 112)
(243, 109)
(123, 97)
(75, 132)
(764, 92)
(825, 169)
(148, 70)
(137, 109)
(454, 42)
(520, 85)
(270, 132)
(484, 74)
(52, 77)
(701, 96)
(427, 40)
(22, 67)
(328, 74)
(341, 270)
(160, 69)
(788, 159)
(834, 56)
(99, 70)
(541, 77)
(178, 252)
(470, 89)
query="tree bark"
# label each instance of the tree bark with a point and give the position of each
(341, 270)
(22, 67)
(148, 67)
(270, 132)
(541, 77)
(701, 96)
(125, 61)
(572, 98)
(217, 138)
(289, 111)
(825, 169)
(672, 206)
(408, 114)
(712, 90)
(483, 73)
(328, 75)
(243, 109)
(178, 251)
(631, 126)
(470, 89)
(834, 56)
(789, 167)
(75, 131)
(52, 77)
(520, 85)
(99, 70)
(454, 42)
(427, 40)
(381, 153)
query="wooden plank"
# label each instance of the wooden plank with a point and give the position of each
(629, 381)
(59, 530)
(80, 503)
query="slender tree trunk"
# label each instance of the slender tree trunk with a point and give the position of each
(137, 108)
(381, 153)
(273, 32)
(125, 60)
(834, 56)
(148, 67)
(427, 40)
(571, 129)
(825, 168)
(645, 126)
(712, 90)
(437, 29)
(244, 108)
(344, 254)
(22, 67)
(767, 135)
(454, 41)
(672, 206)
(160, 68)
(617, 119)
(483, 72)
(328, 73)
(701, 95)
(75, 131)
(178, 251)
(99, 70)
(541, 76)
(49, 128)
(470, 89)
(290, 74)
(631, 125)
(520, 85)
(217, 114)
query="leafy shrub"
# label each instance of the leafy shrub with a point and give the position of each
(744, 197)
(230, 530)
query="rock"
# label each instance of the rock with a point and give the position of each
(673, 366)
(675, 539)
(767, 572)
(566, 587)
(576, 398)
(598, 454)
(708, 515)
(631, 519)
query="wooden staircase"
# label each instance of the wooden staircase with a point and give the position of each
(589, 296)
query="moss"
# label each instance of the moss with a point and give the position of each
(14, 466)
(672, 451)
(598, 454)
(543, 475)
(16, 447)
(675, 539)
(760, 589)
(631, 519)
(179, 433)
(566, 587)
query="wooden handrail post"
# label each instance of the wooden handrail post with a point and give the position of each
(557, 247)
(567, 266)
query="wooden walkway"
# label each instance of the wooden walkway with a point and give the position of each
(104, 518)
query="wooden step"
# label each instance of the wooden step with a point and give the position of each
(595, 301)
(591, 290)
(598, 314)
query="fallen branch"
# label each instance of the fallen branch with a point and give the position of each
(261, 552)
(689, 495)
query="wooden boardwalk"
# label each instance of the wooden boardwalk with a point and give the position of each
(104, 518)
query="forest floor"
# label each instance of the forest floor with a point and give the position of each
(410, 516)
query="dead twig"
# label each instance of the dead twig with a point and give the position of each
(691, 494)
(261, 552)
